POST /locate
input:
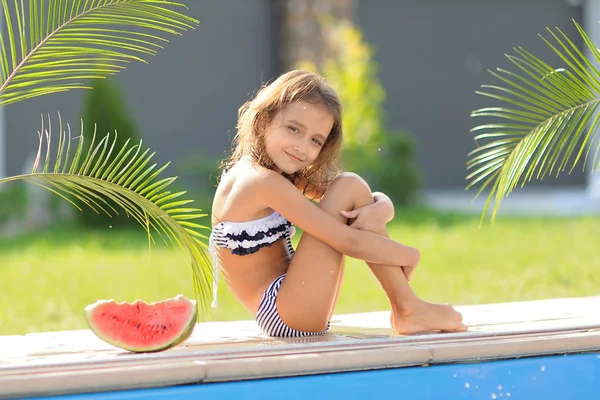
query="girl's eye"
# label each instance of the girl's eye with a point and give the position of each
(317, 142)
(294, 129)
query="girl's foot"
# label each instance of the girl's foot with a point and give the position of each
(424, 317)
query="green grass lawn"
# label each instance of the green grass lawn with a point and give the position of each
(48, 279)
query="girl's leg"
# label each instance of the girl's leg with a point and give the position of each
(409, 313)
(338, 289)
(309, 292)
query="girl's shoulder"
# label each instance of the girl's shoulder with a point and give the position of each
(240, 193)
(245, 175)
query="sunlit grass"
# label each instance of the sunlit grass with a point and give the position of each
(48, 279)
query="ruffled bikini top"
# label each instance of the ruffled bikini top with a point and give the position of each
(247, 238)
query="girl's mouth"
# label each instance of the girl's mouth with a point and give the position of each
(293, 158)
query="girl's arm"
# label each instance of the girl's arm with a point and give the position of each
(372, 217)
(278, 194)
(309, 191)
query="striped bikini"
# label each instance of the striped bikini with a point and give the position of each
(244, 238)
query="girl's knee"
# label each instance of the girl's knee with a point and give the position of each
(346, 192)
(350, 181)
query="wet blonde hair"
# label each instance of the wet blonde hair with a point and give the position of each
(256, 114)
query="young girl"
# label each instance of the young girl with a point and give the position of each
(285, 154)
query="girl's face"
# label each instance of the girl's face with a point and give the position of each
(294, 138)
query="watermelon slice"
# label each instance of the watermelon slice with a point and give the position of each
(142, 327)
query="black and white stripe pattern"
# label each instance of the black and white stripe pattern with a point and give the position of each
(288, 242)
(268, 318)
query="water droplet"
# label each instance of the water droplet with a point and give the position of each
(110, 226)
(499, 387)
(542, 368)
(455, 375)
(467, 385)
(507, 394)
(379, 149)
(493, 395)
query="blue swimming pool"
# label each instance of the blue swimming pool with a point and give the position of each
(572, 376)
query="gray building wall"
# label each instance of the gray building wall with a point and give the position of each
(434, 55)
(185, 100)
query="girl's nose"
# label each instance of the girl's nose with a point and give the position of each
(300, 148)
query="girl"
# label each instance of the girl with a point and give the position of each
(286, 152)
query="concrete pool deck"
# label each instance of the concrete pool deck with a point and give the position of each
(52, 363)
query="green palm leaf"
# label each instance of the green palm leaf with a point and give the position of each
(56, 45)
(546, 121)
(128, 183)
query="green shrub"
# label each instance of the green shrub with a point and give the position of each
(385, 158)
(397, 174)
(13, 199)
(200, 173)
(200, 170)
(105, 111)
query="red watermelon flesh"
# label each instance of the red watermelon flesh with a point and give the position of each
(143, 327)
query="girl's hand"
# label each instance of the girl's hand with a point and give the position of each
(372, 217)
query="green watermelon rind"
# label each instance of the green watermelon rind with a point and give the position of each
(186, 332)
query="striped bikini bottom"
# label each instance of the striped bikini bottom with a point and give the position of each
(268, 318)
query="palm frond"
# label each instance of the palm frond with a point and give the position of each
(56, 45)
(547, 119)
(98, 179)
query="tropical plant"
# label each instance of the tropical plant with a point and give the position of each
(105, 106)
(548, 119)
(52, 46)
